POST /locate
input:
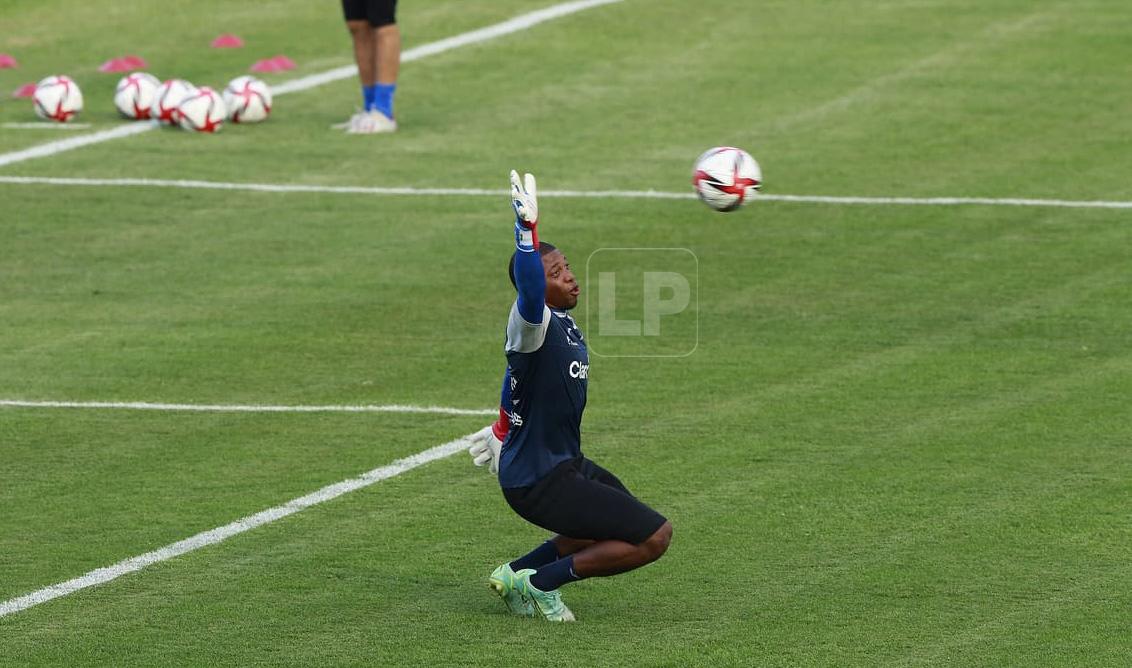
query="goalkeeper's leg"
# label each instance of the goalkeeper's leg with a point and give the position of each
(610, 557)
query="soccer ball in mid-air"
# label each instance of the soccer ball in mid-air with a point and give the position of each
(57, 98)
(202, 111)
(168, 97)
(725, 177)
(248, 100)
(135, 95)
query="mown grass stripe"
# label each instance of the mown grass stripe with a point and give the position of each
(214, 536)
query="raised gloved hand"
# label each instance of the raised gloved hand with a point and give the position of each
(524, 199)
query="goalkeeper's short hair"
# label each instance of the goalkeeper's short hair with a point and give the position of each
(544, 248)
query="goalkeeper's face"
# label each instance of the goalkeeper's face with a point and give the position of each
(561, 288)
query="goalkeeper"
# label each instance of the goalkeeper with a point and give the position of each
(601, 528)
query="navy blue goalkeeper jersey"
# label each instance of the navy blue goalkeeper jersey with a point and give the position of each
(548, 371)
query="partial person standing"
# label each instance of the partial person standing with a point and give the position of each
(377, 49)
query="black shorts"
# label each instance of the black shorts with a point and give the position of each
(377, 12)
(579, 499)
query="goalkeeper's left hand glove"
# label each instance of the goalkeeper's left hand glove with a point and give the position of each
(485, 449)
(524, 200)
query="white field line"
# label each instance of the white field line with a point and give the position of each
(108, 573)
(236, 408)
(491, 32)
(623, 194)
(47, 125)
(952, 201)
(55, 147)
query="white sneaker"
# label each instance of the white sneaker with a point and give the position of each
(371, 122)
(346, 125)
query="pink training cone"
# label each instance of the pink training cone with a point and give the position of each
(26, 90)
(115, 65)
(284, 62)
(227, 41)
(267, 65)
(7, 61)
(124, 64)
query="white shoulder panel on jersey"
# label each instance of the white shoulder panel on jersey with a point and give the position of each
(522, 336)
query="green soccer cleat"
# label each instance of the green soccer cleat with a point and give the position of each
(549, 603)
(504, 583)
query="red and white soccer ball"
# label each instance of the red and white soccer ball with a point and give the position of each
(168, 97)
(725, 177)
(203, 111)
(248, 100)
(136, 94)
(57, 98)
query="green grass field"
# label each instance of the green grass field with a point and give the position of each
(903, 437)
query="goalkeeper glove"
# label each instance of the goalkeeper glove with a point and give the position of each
(524, 200)
(485, 449)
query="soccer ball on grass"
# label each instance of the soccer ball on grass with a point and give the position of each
(168, 97)
(248, 100)
(203, 111)
(136, 94)
(57, 98)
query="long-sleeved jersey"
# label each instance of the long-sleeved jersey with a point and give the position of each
(547, 376)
